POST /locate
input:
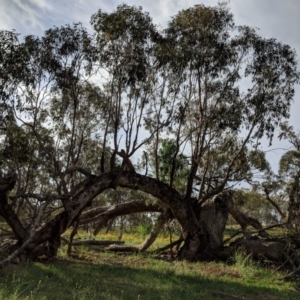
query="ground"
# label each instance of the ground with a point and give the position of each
(91, 274)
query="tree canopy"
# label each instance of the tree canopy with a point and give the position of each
(177, 113)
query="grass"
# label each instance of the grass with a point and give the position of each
(108, 276)
(99, 275)
(130, 238)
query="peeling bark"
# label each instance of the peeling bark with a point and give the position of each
(212, 220)
(214, 215)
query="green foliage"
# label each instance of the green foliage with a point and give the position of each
(16, 148)
(244, 262)
(143, 229)
(255, 205)
(199, 36)
(289, 171)
(173, 165)
(129, 29)
(289, 164)
(183, 81)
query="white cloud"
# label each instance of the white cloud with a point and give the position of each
(42, 4)
(23, 15)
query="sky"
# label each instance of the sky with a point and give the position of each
(274, 18)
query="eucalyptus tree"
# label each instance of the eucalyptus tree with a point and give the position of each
(208, 84)
(49, 120)
(125, 43)
(289, 171)
(213, 88)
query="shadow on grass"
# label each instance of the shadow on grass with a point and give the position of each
(65, 279)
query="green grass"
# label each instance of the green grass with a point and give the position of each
(109, 276)
(92, 274)
(130, 238)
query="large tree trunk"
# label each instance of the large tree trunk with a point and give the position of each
(202, 231)
(194, 234)
(47, 238)
(207, 242)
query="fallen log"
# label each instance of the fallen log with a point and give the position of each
(96, 243)
(169, 246)
(118, 248)
(262, 248)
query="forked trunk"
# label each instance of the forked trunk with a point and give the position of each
(207, 240)
(202, 229)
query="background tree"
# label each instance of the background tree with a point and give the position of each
(289, 170)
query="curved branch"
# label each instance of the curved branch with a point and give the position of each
(246, 221)
(123, 209)
(94, 185)
(78, 169)
(97, 184)
(112, 211)
(275, 205)
(150, 239)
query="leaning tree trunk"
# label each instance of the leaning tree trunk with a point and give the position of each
(47, 238)
(201, 241)
(195, 235)
(150, 239)
(245, 221)
(102, 215)
(159, 224)
(207, 242)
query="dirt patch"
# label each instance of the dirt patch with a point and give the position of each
(227, 296)
(217, 270)
(266, 297)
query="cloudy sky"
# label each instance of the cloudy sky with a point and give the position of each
(275, 18)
